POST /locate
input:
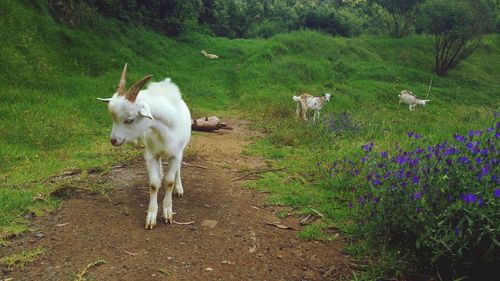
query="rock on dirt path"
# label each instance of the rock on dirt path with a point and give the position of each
(227, 241)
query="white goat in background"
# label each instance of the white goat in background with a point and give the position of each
(210, 56)
(407, 97)
(306, 102)
(160, 119)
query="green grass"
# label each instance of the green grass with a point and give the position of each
(21, 259)
(51, 76)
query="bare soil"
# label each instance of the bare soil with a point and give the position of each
(240, 246)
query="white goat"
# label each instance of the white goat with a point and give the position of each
(210, 56)
(306, 102)
(160, 119)
(412, 101)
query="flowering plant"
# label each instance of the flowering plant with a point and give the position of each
(439, 201)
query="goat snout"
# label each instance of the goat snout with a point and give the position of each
(115, 142)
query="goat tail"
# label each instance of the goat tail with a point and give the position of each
(295, 98)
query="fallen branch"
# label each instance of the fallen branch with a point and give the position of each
(130, 253)
(193, 165)
(279, 225)
(329, 271)
(253, 173)
(81, 275)
(184, 223)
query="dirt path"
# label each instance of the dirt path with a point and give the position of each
(239, 247)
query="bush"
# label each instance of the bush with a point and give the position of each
(438, 202)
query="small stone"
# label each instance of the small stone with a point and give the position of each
(209, 223)
(209, 269)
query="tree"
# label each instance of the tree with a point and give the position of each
(402, 15)
(458, 27)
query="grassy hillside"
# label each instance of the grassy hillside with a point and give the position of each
(52, 74)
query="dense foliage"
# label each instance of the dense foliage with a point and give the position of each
(229, 18)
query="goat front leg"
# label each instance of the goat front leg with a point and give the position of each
(155, 175)
(297, 111)
(304, 111)
(174, 165)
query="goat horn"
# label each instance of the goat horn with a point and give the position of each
(134, 90)
(121, 85)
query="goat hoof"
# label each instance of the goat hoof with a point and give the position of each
(168, 215)
(150, 221)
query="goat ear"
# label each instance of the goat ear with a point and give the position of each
(121, 85)
(145, 112)
(104, 100)
(134, 90)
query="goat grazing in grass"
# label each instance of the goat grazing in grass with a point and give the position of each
(306, 102)
(159, 118)
(412, 101)
(210, 56)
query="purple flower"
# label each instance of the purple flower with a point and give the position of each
(485, 170)
(459, 138)
(457, 231)
(449, 197)
(449, 162)
(417, 136)
(497, 135)
(376, 200)
(449, 151)
(479, 133)
(363, 159)
(415, 179)
(409, 134)
(349, 205)
(494, 178)
(418, 209)
(496, 192)
(471, 133)
(463, 160)
(469, 146)
(368, 147)
(361, 200)
(489, 130)
(498, 125)
(484, 152)
(384, 154)
(479, 160)
(403, 184)
(376, 182)
(428, 156)
(417, 195)
(469, 198)
(480, 202)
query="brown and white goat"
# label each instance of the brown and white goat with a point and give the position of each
(407, 97)
(306, 102)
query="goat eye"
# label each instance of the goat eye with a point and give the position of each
(128, 121)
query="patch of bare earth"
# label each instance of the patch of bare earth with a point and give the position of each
(235, 243)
